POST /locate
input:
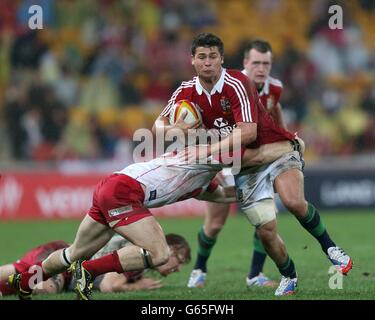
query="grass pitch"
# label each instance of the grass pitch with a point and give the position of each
(229, 262)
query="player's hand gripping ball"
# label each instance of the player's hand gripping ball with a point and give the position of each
(180, 108)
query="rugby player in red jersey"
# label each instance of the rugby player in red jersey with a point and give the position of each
(226, 100)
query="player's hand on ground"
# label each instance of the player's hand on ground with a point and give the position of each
(149, 284)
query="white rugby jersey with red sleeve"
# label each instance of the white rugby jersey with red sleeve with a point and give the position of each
(233, 99)
(168, 180)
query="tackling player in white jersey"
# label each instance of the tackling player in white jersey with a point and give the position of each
(120, 205)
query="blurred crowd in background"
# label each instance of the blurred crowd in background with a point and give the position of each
(100, 69)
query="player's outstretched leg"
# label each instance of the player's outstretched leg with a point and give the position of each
(90, 237)
(313, 223)
(290, 187)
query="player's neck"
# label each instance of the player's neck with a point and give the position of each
(209, 83)
(259, 86)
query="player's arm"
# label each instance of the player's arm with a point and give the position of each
(221, 194)
(277, 114)
(114, 282)
(270, 152)
(246, 132)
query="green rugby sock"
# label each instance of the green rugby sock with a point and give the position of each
(205, 245)
(315, 226)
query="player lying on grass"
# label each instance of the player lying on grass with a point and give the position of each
(109, 282)
(120, 205)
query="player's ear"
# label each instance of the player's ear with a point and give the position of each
(244, 63)
(222, 59)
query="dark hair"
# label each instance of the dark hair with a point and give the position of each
(180, 245)
(259, 45)
(207, 40)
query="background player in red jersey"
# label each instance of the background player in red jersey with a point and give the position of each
(35, 255)
(109, 282)
(257, 66)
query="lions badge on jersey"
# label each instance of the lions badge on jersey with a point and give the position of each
(270, 102)
(225, 105)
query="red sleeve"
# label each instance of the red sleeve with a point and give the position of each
(244, 97)
(179, 94)
(213, 185)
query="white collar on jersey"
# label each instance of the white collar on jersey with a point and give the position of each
(218, 87)
(266, 88)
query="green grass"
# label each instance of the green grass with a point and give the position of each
(229, 262)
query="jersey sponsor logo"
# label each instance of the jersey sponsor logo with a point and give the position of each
(220, 122)
(223, 127)
(117, 211)
(152, 195)
(225, 105)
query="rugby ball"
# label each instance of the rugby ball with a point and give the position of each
(182, 106)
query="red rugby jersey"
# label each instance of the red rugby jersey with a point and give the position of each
(41, 252)
(271, 93)
(233, 99)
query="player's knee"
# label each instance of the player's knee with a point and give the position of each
(261, 212)
(267, 232)
(212, 229)
(159, 255)
(295, 205)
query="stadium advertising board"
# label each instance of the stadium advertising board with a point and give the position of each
(340, 188)
(58, 195)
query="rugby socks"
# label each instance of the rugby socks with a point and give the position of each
(288, 269)
(205, 245)
(107, 263)
(259, 257)
(314, 225)
(31, 278)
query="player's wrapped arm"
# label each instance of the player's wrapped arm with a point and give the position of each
(270, 152)
(217, 193)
